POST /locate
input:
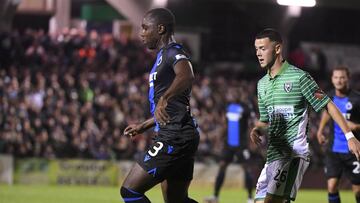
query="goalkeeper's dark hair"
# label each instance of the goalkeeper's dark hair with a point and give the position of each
(163, 16)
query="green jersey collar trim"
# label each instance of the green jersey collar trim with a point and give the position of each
(283, 68)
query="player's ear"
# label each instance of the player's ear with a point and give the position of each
(278, 48)
(161, 29)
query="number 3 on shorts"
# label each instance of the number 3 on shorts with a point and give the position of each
(156, 149)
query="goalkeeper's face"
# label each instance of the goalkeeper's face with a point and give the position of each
(149, 33)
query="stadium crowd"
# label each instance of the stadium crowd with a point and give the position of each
(72, 94)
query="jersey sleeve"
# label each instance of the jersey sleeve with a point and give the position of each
(264, 117)
(312, 93)
(176, 54)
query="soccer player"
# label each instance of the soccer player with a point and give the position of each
(237, 116)
(285, 95)
(338, 157)
(170, 159)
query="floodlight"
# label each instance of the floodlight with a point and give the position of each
(160, 3)
(302, 3)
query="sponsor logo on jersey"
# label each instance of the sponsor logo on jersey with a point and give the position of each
(152, 78)
(284, 109)
(231, 116)
(281, 112)
(347, 116)
(288, 86)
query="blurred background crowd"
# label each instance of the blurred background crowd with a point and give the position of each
(72, 94)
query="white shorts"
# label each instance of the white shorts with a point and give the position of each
(281, 178)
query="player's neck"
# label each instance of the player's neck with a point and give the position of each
(342, 92)
(276, 67)
(166, 40)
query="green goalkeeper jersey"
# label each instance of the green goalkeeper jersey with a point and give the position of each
(284, 102)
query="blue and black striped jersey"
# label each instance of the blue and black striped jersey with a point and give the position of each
(160, 79)
(349, 106)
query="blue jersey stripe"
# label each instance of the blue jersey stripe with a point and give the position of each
(340, 143)
(233, 115)
(152, 89)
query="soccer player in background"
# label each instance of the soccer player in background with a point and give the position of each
(285, 95)
(338, 158)
(237, 117)
(170, 159)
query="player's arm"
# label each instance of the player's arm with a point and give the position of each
(256, 132)
(134, 129)
(353, 143)
(184, 76)
(325, 117)
(353, 126)
(263, 122)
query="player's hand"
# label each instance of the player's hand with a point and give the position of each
(255, 136)
(353, 126)
(162, 117)
(321, 138)
(132, 130)
(354, 147)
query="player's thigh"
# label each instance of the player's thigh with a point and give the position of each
(261, 185)
(288, 177)
(352, 168)
(139, 180)
(356, 189)
(242, 155)
(175, 188)
(333, 165)
(281, 178)
(227, 154)
(164, 189)
(175, 191)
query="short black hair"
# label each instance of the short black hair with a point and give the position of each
(270, 33)
(163, 16)
(342, 68)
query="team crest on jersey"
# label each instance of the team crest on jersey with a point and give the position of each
(348, 106)
(159, 61)
(288, 86)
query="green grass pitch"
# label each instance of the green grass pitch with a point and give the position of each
(90, 194)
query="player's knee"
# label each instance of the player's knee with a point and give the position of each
(333, 189)
(132, 196)
(223, 165)
(357, 194)
(248, 179)
(332, 184)
(357, 197)
(274, 199)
